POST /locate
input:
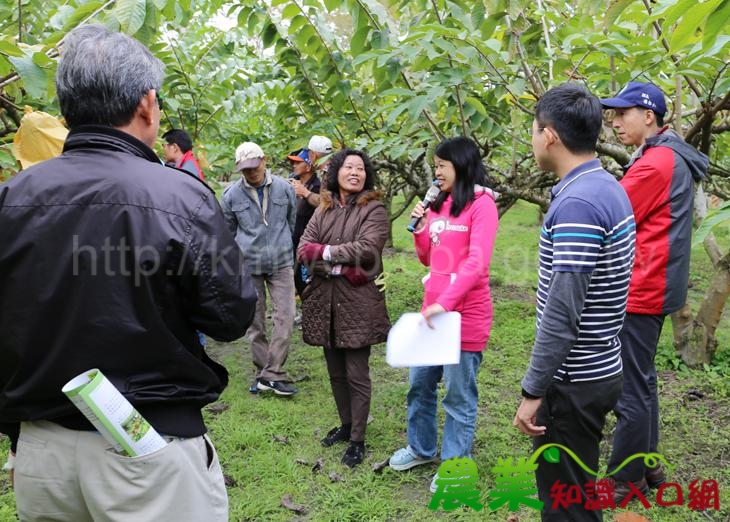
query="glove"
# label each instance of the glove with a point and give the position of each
(312, 252)
(355, 276)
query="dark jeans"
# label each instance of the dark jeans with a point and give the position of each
(637, 411)
(574, 414)
(349, 371)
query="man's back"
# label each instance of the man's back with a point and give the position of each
(108, 260)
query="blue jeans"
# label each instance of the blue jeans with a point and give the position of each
(460, 405)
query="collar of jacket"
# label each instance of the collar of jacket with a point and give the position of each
(107, 138)
(361, 199)
(247, 185)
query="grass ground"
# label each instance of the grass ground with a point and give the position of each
(269, 446)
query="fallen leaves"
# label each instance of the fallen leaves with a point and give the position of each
(378, 467)
(630, 517)
(318, 466)
(217, 408)
(281, 438)
(289, 504)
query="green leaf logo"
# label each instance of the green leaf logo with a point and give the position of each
(552, 455)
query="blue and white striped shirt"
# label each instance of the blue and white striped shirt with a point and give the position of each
(590, 228)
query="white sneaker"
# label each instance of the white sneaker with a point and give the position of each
(405, 458)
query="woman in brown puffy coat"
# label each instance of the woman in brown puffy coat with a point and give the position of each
(342, 308)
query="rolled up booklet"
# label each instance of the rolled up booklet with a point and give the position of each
(112, 414)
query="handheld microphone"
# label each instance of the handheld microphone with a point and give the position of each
(430, 197)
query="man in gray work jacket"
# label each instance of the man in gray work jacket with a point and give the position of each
(261, 211)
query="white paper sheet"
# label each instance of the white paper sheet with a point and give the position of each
(412, 343)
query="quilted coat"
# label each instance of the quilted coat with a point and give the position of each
(336, 314)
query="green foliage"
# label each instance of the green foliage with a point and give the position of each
(714, 218)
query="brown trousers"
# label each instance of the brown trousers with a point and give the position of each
(349, 372)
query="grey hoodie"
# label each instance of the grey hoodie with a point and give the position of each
(263, 232)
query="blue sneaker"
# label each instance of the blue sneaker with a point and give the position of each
(405, 458)
(254, 389)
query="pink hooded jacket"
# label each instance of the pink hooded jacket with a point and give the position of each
(458, 251)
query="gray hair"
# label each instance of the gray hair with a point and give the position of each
(102, 75)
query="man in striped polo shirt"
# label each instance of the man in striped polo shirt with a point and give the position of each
(586, 256)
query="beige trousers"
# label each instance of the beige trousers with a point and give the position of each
(64, 475)
(269, 356)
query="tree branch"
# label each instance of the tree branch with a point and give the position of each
(337, 68)
(433, 127)
(675, 59)
(707, 114)
(464, 127)
(515, 99)
(535, 81)
(614, 151)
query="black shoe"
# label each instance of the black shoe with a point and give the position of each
(622, 489)
(339, 434)
(278, 387)
(354, 455)
(655, 476)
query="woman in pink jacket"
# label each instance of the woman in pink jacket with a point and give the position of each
(455, 241)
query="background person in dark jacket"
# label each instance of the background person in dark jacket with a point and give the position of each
(307, 186)
(659, 181)
(342, 308)
(112, 261)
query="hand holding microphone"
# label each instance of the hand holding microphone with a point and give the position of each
(420, 209)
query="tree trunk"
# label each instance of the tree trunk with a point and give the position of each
(388, 202)
(695, 338)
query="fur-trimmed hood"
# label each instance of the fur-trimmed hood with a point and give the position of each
(327, 202)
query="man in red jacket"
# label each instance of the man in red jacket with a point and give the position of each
(178, 149)
(659, 181)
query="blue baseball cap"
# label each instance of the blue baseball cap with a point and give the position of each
(300, 155)
(638, 94)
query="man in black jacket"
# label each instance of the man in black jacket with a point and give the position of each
(109, 260)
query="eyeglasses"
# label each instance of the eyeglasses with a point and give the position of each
(159, 100)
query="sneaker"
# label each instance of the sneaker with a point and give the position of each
(354, 454)
(339, 434)
(622, 489)
(278, 387)
(405, 458)
(254, 387)
(434, 487)
(655, 476)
